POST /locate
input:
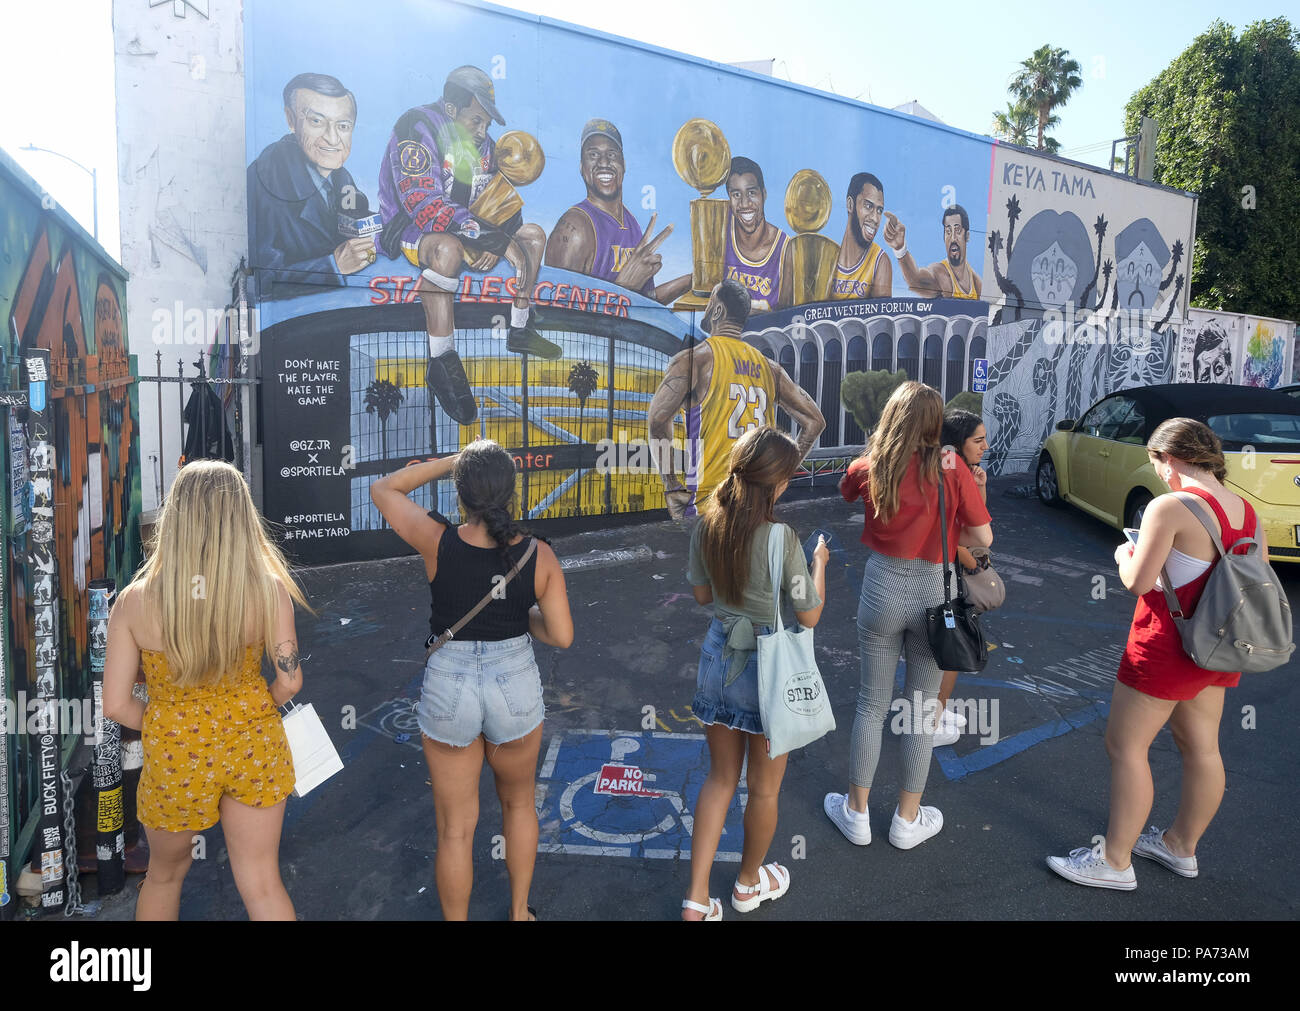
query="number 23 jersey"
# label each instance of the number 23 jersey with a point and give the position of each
(741, 396)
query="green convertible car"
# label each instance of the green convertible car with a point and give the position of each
(1099, 462)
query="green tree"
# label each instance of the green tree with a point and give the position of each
(864, 394)
(967, 401)
(1018, 121)
(1045, 82)
(1228, 108)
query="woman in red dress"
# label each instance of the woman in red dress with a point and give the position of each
(1157, 681)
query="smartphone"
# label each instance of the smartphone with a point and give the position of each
(1132, 535)
(811, 543)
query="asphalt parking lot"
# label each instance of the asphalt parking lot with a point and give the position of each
(1032, 782)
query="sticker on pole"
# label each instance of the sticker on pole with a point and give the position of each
(622, 781)
(979, 380)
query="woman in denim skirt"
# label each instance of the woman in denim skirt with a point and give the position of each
(728, 568)
(482, 694)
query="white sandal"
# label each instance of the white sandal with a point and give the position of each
(713, 911)
(762, 891)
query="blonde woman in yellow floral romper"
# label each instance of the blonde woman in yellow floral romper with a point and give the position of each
(213, 595)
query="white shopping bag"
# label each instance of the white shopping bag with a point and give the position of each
(314, 756)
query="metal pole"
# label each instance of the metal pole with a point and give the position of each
(162, 457)
(180, 402)
(106, 770)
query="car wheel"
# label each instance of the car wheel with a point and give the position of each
(1137, 505)
(1049, 490)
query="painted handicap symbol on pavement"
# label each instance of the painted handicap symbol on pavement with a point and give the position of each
(627, 794)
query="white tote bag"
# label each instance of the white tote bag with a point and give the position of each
(791, 694)
(314, 756)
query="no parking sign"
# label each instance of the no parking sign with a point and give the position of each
(632, 793)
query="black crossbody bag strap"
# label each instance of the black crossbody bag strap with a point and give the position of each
(432, 644)
(943, 537)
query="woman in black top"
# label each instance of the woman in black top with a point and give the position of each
(482, 694)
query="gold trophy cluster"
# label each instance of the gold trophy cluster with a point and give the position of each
(702, 158)
(520, 161)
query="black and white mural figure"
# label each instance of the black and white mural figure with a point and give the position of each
(1050, 287)
(1087, 284)
(1212, 355)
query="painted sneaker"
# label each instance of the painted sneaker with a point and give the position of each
(524, 340)
(446, 379)
(1151, 844)
(1086, 866)
(857, 830)
(905, 835)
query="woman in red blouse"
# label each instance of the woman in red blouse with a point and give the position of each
(897, 478)
(1158, 682)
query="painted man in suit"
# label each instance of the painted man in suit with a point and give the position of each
(298, 188)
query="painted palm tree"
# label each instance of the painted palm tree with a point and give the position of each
(383, 398)
(1020, 120)
(583, 381)
(1046, 81)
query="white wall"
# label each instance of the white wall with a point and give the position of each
(181, 171)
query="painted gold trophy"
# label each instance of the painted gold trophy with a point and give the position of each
(812, 256)
(703, 160)
(520, 161)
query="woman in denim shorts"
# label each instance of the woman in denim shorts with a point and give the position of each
(729, 569)
(482, 694)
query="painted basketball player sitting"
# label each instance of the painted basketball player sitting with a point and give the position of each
(439, 159)
(726, 388)
(862, 270)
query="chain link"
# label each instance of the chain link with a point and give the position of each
(73, 906)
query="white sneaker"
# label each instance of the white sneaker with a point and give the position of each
(947, 732)
(905, 835)
(956, 716)
(1086, 866)
(856, 827)
(1151, 844)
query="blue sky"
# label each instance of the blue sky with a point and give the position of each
(955, 58)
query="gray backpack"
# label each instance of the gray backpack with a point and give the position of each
(1242, 621)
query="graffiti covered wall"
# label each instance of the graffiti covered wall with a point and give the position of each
(494, 244)
(62, 294)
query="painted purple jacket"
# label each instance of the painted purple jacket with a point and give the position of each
(432, 171)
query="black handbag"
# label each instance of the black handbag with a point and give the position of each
(953, 627)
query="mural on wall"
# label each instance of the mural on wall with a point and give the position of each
(1090, 274)
(452, 253)
(1209, 347)
(62, 303)
(1264, 349)
(485, 246)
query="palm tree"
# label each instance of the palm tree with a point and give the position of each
(383, 398)
(1018, 121)
(583, 381)
(1045, 81)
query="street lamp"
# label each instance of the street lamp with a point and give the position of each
(94, 181)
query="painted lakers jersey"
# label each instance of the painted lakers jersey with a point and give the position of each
(856, 283)
(741, 396)
(762, 277)
(957, 291)
(616, 238)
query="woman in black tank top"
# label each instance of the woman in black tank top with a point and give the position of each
(482, 693)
